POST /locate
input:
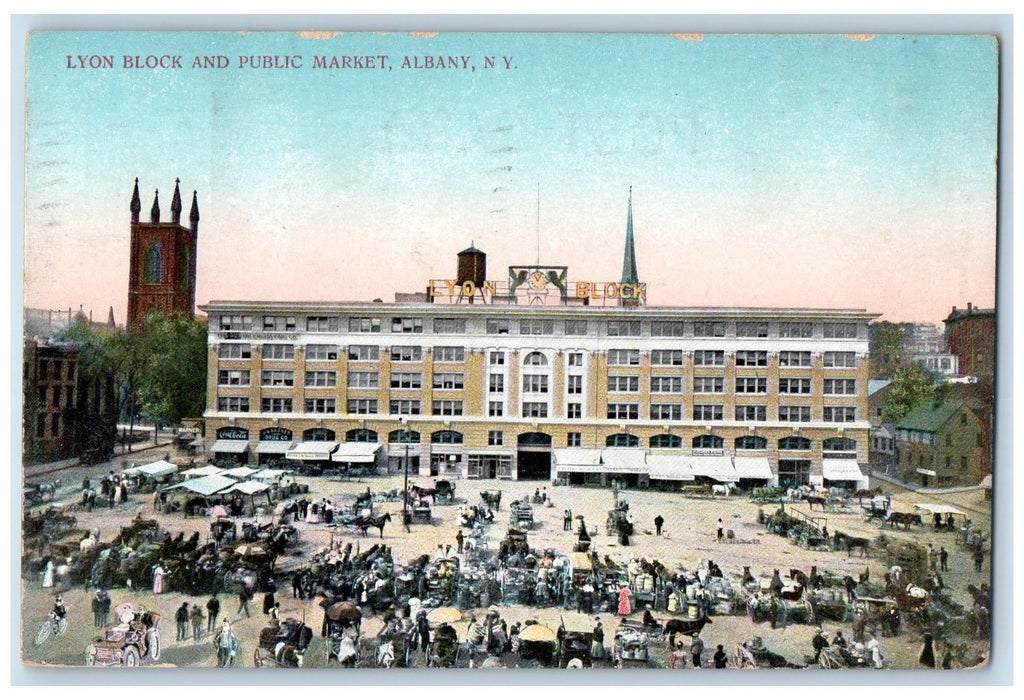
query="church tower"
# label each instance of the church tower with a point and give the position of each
(162, 272)
(630, 278)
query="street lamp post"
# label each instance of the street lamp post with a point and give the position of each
(405, 490)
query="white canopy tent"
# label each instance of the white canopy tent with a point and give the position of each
(208, 470)
(207, 485)
(154, 469)
(239, 472)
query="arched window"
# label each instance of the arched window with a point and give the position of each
(155, 264)
(446, 437)
(665, 440)
(708, 442)
(361, 435)
(536, 359)
(404, 436)
(622, 440)
(794, 442)
(839, 445)
(184, 265)
(318, 435)
(751, 442)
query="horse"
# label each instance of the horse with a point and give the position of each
(815, 500)
(89, 543)
(49, 487)
(364, 524)
(850, 543)
(491, 499)
(721, 489)
(905, 519)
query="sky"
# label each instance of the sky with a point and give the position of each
(822, 171)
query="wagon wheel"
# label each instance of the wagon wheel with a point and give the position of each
(257, 658)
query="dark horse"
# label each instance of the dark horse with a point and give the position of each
(905, 519)
(841, 540)
(364, 524)
(815, 501)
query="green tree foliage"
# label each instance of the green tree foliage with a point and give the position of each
(912, 386)
(886, 348)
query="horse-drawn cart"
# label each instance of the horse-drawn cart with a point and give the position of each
(342, 621)
(283, 644)
(577, 639)
(491, 499)
(420, 512)
(522, 515)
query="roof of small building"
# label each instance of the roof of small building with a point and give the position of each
(876, 385)
(930, 417)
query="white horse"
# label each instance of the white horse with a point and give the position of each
(721, 489)
(89, 543)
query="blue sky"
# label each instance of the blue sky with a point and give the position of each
(767, 170)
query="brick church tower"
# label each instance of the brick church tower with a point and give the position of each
(163, 260)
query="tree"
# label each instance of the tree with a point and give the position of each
(173, 383)
(911, 387)
(885, 354)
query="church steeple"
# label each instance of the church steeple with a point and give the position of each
(629, 273)
(193, 215)
(176, 204)
(154, 213)
(136, 205)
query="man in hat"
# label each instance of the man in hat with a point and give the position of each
(181, 620)
(459, 539)
(212, 611)
(227, 645)
(820, 643)
(720, 657)
(197, 622)
(658, 522)
(696, 649)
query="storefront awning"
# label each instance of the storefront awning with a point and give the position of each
(926, 472)
(576, 460)
(230, 446)
(155, 469)
(312, 451)
(208, 470)
(624, 460)
(274, 447)
(670, 467)
(718, 468)
(841, 470)
(207, 485)
(939, 508)
(752, 468)
(356, 452)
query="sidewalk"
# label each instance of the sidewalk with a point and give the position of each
(35, 471)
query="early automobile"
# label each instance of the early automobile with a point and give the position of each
(135, 639)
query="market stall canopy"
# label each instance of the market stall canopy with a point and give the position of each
(239, 472)
(752, 467)
(670, 467)
(624, 460)
(939, 508)
(580, 561)
(154, 469)
(274, 447)
(442, 616)
(538, 633)
(717, 467)
(577, 623)
(269, 474)
(841, 470)
(249, 487)
(986, 483)
(207, 485)
(230, 446)
(208, 470)
(356, 452)
(576, 460)
(313, 450)
(218, 511)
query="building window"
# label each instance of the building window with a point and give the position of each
(667, 358)
(155, 264)
(839, 445)
(839, 359)
(496, 358)
(574, 439)
(708, 358)
(446, 408)
(751, 385)
(496, 383)
(495, 438)
(709, 329)
(495, 409)
(497, 326)
(794, 442)
(574, 410)
(535, 359)
(841, 387)
(278, 377)
(233, 351)
(233, 377)
(709, 411)
(839, 414)
(448, 380)
(362, 353)
(356, 380)
(790, 385)
(449, 353)
(320, 406)
(795, 329)
(406, 380)
(708, 442)
(575, 327)
(272, 405)
(623, 411)
(794, 472)
(362, 324)
(751, 442)
(574, 384)
(709, 385)
(330, 378)
(666, 411)
(276, 351)
(233, 404)
(846, 331)
(362, 406)
(624, 357)
(535, 383)
(624, 383)
(665, 441)
(404, 407)
(668, 329)
(446, 437)
(536, 326)
(622, 440)
(623, 329)
(321, 353)
(751, 358)
(406, 353)
(795, 414)
(406, 325)
(575, 359)
(449, 325)
(235, 322)
(279, 323)
(666, 385)
(751, 413)
(322, 324)
(535, 409)
(751, 329)
(794, 358)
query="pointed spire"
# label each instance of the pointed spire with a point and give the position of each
(110, 319)
(154, 213)
(629, 273)
(193, 216)
(136, 205)
(176, 204)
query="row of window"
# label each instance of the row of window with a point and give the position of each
(240, 404)
(537, 326)
(716, 412)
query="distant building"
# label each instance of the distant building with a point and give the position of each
(878, 395)
(883, 449)
(971, 336)
(941, 444)
(925, 344)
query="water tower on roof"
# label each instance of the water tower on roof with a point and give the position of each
(472, 267)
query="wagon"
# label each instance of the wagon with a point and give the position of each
(421, 513)
(577, 640)
(342, 621)
(522, 515)
(394, 645)
(283, 644)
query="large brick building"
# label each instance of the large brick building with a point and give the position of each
(971, 336)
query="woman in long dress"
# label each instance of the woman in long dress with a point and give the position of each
(624, 596)
(48, 574)
(158, 579)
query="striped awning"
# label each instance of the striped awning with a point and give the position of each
(230, 446)
(274, 447)
(356, 452)
(313, 450)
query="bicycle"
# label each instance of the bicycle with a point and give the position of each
(54, 624)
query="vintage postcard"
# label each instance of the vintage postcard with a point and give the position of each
(514, 351)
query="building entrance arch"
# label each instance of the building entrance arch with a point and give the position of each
(533, 457)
